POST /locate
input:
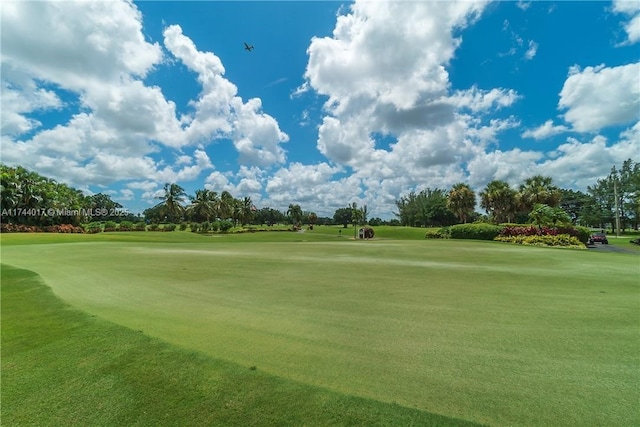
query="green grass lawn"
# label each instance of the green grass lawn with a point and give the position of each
(61, 366)
(480, 331)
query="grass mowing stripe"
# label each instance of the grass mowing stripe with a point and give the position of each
(61, 366)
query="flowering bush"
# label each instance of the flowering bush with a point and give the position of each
(63, 228)
(433, 234)
(19, 228)
(581, 233)
(563, 240)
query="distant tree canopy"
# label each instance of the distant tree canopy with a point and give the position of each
(426, 208)
(31, 199)
(343, 216)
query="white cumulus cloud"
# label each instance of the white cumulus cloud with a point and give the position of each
(546, 130)
(597, 97)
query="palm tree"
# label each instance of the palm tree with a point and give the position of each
(203, 205)
(225, 205)
(247, 210)
(172, 200)
(295, 213)
(499, 200)
(461, 201)
(312, 218)
(539, 189)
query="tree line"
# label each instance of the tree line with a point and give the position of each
(537, 195)
(29, 198)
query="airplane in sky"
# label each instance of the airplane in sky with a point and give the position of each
(248, 47)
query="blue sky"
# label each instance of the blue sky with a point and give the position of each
(338, 102)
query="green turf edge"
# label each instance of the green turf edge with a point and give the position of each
(61, 366)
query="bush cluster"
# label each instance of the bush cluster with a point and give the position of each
(21, 228)
(63, 228)
(110, 226)
(126, 226)
(441, 233)
(94, 227)
(214, 226)
(580, 233)
(478, 231)
(564, 240)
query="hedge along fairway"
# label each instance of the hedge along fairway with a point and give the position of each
(481, 331)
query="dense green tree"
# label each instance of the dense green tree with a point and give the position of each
(499, 200)
(545, 215)
(172, 201)
(104, 208)
(29, 198)
(295, 214)
(312, 218)
(225, 206)
(573, 203)
(539, 190)
(427, 208)
(269, 216)
(247, 210)
(342, 216)
(356, 214)
(623, 182)
(203, 206)
(461, 200)
(374, 222)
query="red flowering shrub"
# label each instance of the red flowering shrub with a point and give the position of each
(19, 228)
(520, 234)
(63, 228)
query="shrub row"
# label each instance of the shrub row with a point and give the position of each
(474, 231)
(437, 233)
(20, 228)
(580, 233)
(564, 240)
(213, 226)
(479, 231)
(96, 227)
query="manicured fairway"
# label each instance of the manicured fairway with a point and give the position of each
(63, 367)
(482, 331)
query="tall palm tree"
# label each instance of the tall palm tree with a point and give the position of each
(172, 201)
(203, 205)
(295, 213)
(247, 210)
(312, 218)
(539, 189)
(225, 205)
(461, 200)
(499, 200)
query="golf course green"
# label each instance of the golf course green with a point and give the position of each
(450, 330)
